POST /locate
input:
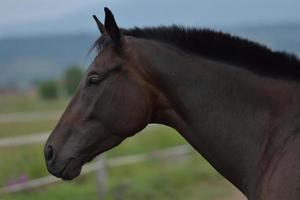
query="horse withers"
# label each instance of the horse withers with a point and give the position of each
(236, 102)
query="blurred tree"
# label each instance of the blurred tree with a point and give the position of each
(72, 78)
(48, 90)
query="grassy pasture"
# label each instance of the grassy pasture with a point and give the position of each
(21, 104)
(188, 178)
(13, 129)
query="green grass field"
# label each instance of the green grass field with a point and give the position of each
(29, 104)
(188, 178)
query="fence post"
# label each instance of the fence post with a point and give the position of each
(101, 176)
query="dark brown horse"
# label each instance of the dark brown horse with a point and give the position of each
(236, 102)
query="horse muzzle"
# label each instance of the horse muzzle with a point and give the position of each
(65, 168)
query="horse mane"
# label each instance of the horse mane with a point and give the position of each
(224, 47)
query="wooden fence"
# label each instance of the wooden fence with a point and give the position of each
(99, 166)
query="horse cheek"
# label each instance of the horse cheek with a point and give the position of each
(131, 115)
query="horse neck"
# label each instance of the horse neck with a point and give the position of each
(221, 110)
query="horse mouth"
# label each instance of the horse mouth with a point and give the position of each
(71, 170)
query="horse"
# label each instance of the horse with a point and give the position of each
(235, 101)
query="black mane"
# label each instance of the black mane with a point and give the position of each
(224, 47)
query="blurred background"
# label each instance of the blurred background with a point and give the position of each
(44, 48)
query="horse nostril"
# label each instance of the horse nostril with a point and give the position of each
(49, 153)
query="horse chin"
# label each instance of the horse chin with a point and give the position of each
(71, 170)
(74, 166)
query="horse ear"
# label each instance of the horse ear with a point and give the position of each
(99, 24)
(112, 28)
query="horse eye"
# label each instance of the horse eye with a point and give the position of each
(93, 80)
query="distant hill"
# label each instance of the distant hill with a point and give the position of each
(23, 60)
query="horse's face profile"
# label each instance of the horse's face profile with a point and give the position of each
(111, 103)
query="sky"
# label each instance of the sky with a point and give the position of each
(37, 17)
(13, 12)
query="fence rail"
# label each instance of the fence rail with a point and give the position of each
(28, 117)
(24, 140)
(37, 138)
(173, 152)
